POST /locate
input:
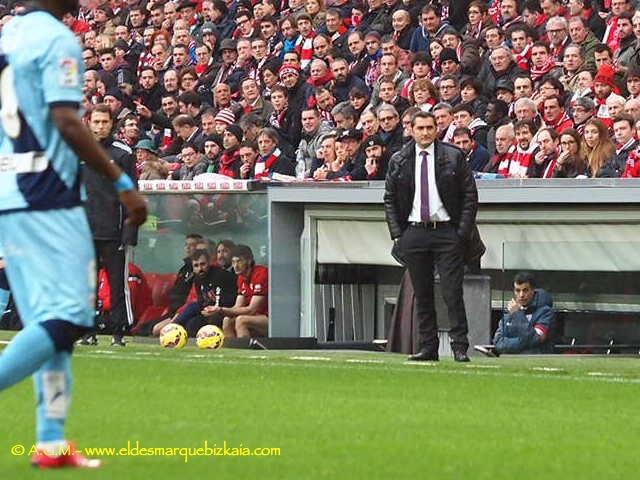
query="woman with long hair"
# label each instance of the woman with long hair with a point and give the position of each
(570, 163)
(597, 147)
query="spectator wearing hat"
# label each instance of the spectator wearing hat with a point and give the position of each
(375, 160)
(348, 154)
(505, 91)
(230, 161)
(114, 99)
(226, 64)
(313, 128)
(466, 51)
(213, 147)
(132, 46)
(186, 10)
(449, 63)
(298, 90)
(223, 119)
(603, 86)
(149, 166)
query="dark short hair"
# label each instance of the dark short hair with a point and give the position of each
(195, 236)
(460, 131)
(242, 251)
(625, 117)
(201, 252)
(422, 114)
(525, 277)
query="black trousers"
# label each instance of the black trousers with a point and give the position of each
(111, 256)
(426, 247)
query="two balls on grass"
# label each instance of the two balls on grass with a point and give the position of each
(175, 336)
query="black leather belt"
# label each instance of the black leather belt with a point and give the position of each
(429, 225)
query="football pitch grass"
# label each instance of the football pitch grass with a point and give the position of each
(339, 415)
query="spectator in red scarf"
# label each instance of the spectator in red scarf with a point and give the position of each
(554, 114)
(230, 161)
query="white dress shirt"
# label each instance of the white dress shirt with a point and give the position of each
(437, 212)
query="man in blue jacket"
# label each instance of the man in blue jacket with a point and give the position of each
(526, 326)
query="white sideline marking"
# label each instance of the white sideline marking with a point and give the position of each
(106, 352)
(311, 359)
(196, 356)
(257, 357)
(601, 374)
(146, 353)
(391, 367)
(482, 366)
(356, 360)
(547, 369)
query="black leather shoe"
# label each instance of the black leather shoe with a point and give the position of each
(424, 355)
(460, 355)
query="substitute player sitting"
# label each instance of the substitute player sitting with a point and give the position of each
(249, 317)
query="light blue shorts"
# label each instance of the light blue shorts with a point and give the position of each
(50, 263)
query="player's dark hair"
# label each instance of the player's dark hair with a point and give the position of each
(201, 252)
(525, 277)
(195, 236)
(243, 251)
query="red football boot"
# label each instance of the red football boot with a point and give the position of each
(68, 459)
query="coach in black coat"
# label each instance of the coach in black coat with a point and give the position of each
(433, 227)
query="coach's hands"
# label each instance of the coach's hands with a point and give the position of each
(136, 207)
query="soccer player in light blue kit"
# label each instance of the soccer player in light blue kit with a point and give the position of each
(44, 233)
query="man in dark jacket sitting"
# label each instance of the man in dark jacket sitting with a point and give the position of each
(526, 326)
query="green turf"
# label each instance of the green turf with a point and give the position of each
(353, 415)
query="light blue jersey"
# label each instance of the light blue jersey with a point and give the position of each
(40, 66)
(44, 233)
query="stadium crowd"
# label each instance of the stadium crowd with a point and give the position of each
(326, 91)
